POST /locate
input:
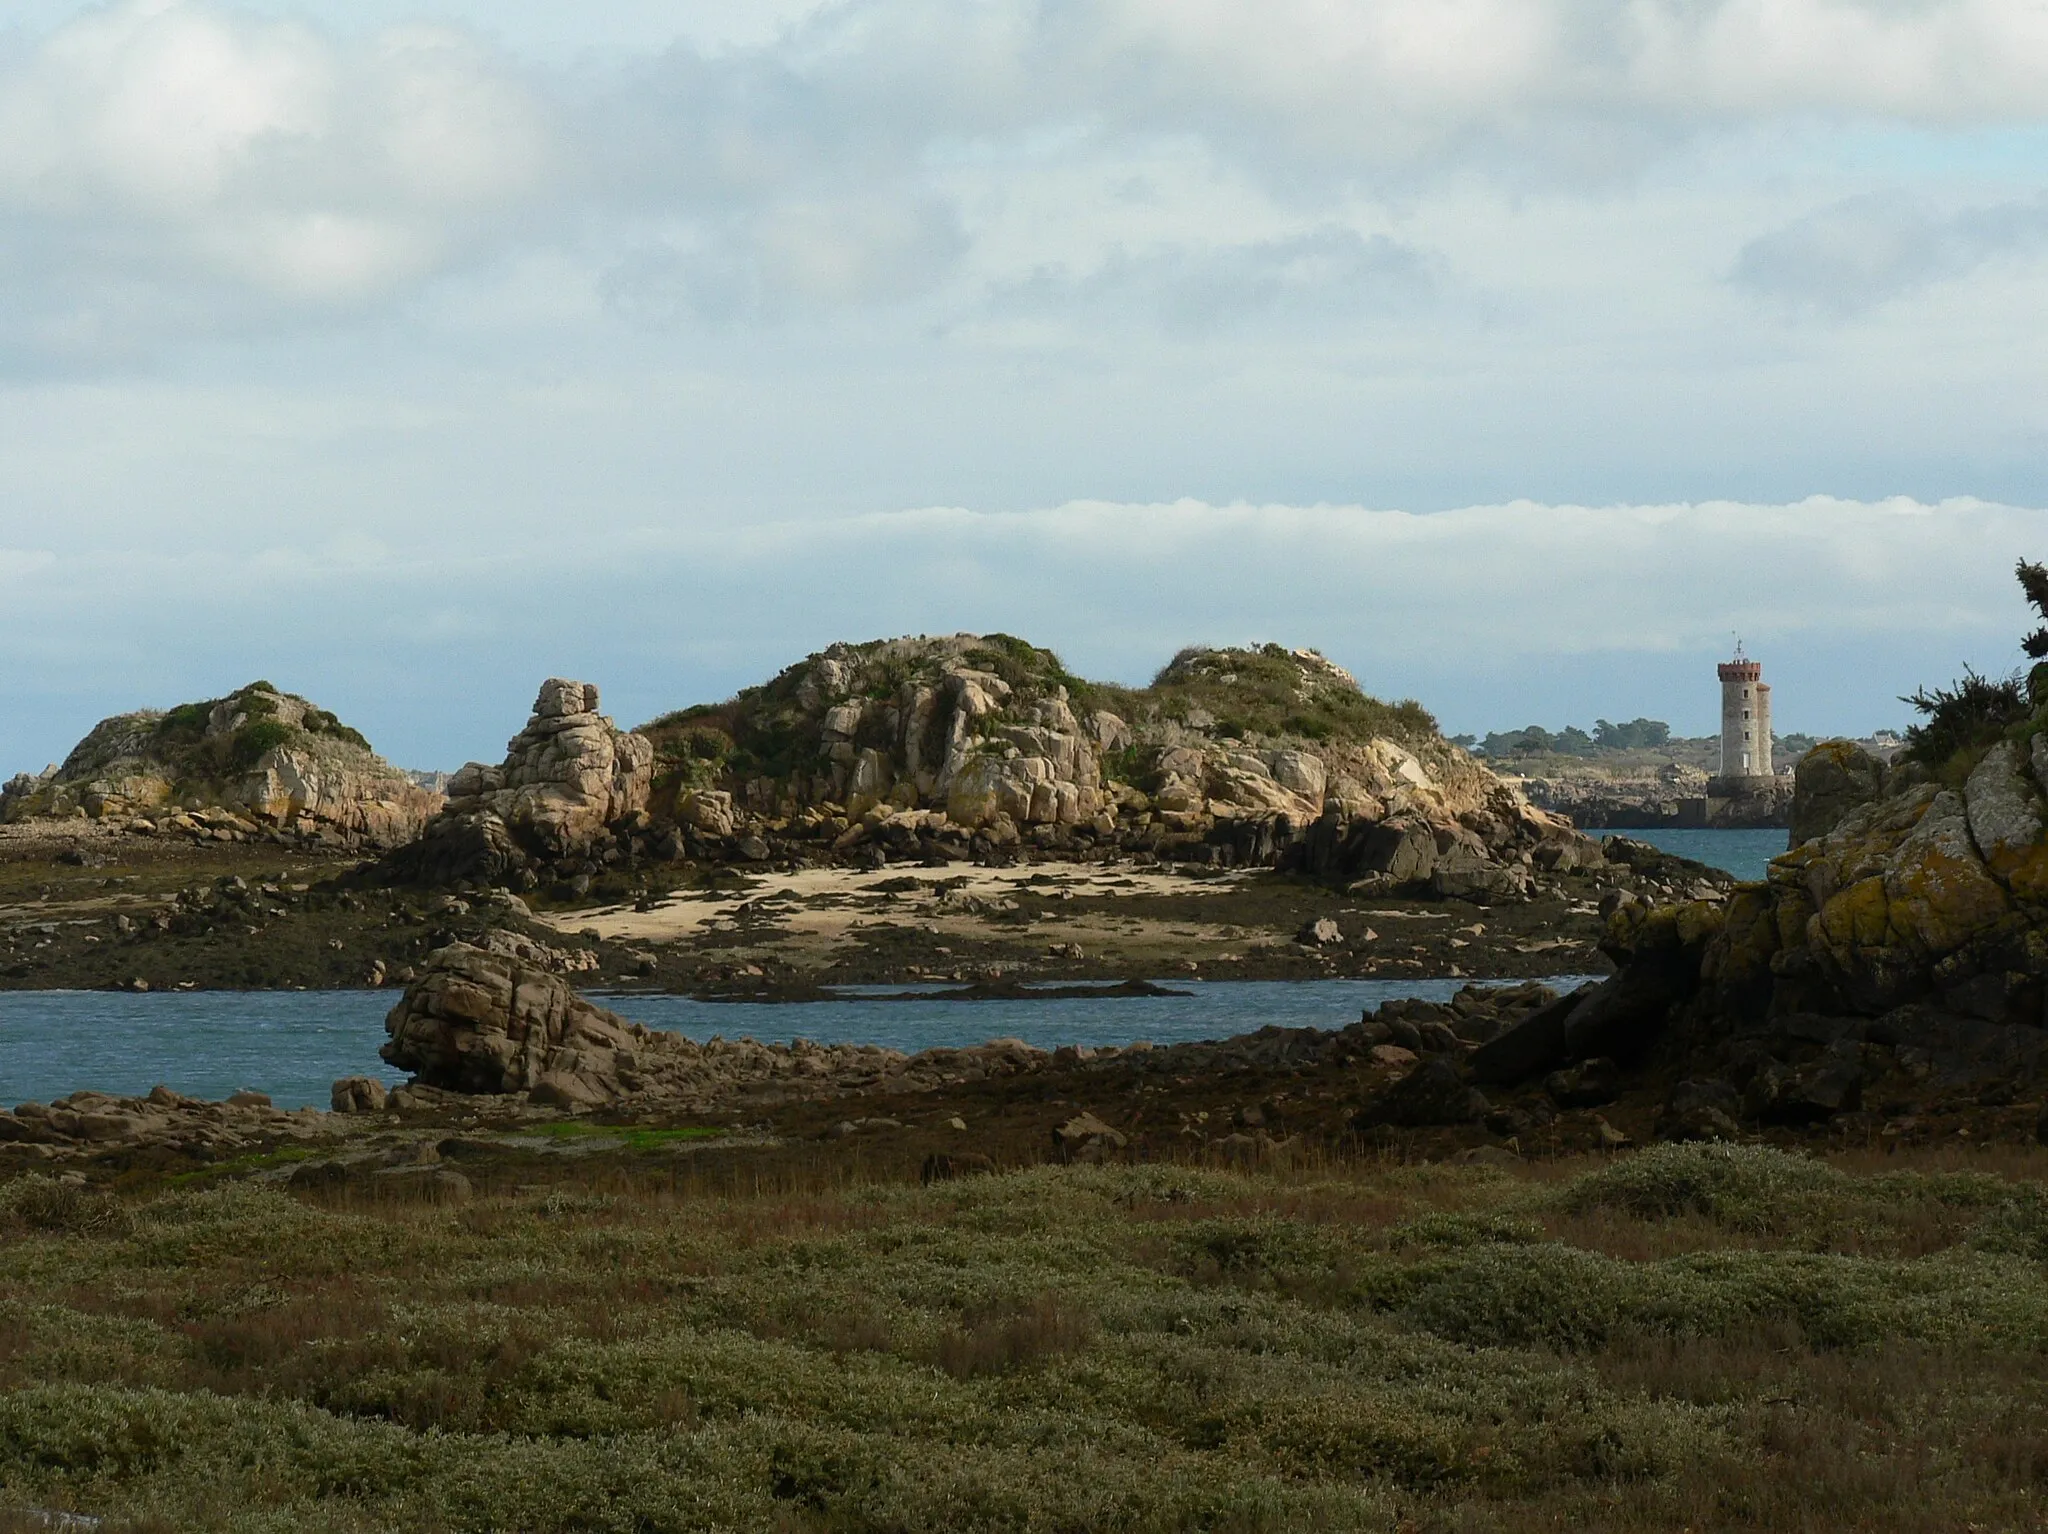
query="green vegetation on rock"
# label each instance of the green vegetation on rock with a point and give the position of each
(1263, 693)
(1271, 692)
(209, 755)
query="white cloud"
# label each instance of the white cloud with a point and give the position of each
(177, 168)
(791, 255)
(16, 564)
(167, 157)
(618, 328)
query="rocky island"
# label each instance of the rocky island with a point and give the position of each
(258, 764)
(1252, 812)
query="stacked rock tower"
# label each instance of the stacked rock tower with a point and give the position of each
(1745, 718)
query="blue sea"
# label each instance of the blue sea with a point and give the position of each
(1741, 853)
(294, 1044)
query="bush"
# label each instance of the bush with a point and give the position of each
(1002, 1337)
(1977, 710)
(1744, 1186)
(49, 1207)
(255, 740)
(1966, 717)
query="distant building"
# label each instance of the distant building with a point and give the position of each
(1745, 719)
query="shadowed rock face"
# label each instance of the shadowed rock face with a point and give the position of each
(1902, 948)
(271, 759)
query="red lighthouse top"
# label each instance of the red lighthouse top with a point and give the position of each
(1740, 671)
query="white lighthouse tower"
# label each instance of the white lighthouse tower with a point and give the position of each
(1745, 719)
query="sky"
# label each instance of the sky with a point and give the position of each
(1517, 354)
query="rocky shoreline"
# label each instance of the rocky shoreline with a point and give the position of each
(964, 823)
(1672, 797)
(138, 913)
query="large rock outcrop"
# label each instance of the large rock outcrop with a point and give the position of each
(260, 759)
(566, 777)
(569, 781)
(1899, 951)
(942, 746)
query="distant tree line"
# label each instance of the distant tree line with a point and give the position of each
(1534, 740)
(1634, 735)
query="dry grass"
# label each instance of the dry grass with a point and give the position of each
(1687, 1338)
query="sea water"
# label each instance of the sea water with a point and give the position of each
(1742, 853)
(294, 1044)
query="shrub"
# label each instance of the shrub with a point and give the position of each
(1971, 714)
(254, 740)
(1974, 712)
(1005, 1336)
(1737, 1185)
(49, 1207)
(2017, 1227)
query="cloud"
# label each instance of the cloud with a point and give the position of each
(1369, 87)
(175, 169)
(1327, 273)
(790, 256)
(15, 564)
(1863, 251)
(167, 166)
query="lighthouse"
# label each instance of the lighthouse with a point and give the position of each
(1745, 719)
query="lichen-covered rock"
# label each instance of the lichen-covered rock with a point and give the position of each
(2004, 807)
(1832, 780)
(272, 759)
(1907, 943)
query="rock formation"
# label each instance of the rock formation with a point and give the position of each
(569, 779)
(483, 1023)
(100, 1120)
(1899, 951)
(256, 763)
(970, 744)
(478, 1021)
(1673, 794)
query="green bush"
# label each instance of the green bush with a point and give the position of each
(1963, 719)
(257, 738)
(1742, 1186)
(1131, 1348)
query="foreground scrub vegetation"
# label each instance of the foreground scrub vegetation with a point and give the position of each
(1692, 1337)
